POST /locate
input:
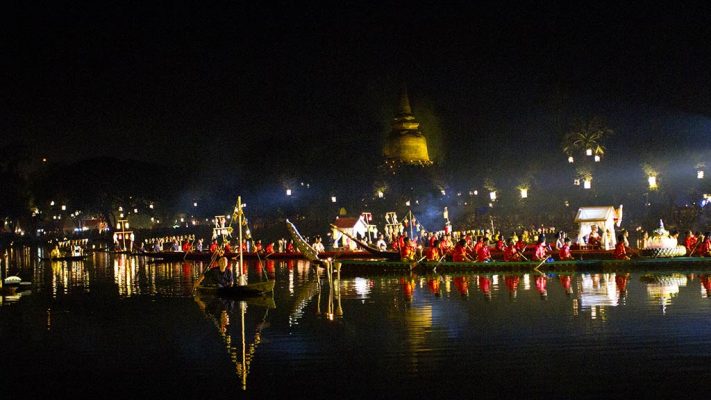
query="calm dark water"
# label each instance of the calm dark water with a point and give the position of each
(127, 328)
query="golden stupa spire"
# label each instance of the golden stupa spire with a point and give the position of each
(406, 144)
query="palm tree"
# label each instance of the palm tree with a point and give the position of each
(587, 135)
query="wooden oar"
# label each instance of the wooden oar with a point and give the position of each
(698, 242)
(539, 265)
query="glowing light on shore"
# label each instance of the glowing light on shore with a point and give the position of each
(380, 194)
(588, 152)
(524, 193)
(597, 158)
(587, 184)
(700, 174)
(288, 192)
(652, 180)
(333, 199)
(571, 159)
(492, 196)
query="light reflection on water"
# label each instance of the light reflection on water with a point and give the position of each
(357, 332)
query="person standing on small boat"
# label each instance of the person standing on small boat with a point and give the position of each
(381, 244)
(690, 242)
(55, 253)
(220, 276)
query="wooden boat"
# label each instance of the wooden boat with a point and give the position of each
(375, 252)
(246, 289)
(249, 290)
(66, 258)
(379, 266)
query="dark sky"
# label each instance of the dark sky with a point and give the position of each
(270, 86)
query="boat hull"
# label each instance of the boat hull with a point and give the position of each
(249, 290)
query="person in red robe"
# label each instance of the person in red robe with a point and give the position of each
(290, 247)
(214, 246)
(228, 247)
(620, 250)
(500, 245)
(541, 250)
(705, 247)
(459, 253)
(270, 248)
(564, 252)
(690, 242)
(478, 245)
(433, 253)
(511, 253)
(407, 250)
(186, 246)
(258, 247)
(483, 254)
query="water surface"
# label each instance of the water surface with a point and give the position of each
(126, 327)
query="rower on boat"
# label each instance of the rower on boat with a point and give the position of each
(214, 246)
(705, 247)
(483, 254)
(511, 252)
(620, 250)
(541, 252)
(220, 276)
(690, 242)
(564, 253)
(407, 250)
(459, 253)
(433, 253)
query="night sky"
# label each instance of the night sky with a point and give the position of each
(269, 88)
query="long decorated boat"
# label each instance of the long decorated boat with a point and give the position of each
(382, 266)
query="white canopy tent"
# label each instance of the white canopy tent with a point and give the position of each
(605, 218)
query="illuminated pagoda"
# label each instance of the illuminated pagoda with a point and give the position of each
(405, 144)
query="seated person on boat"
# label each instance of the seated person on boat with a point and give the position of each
(433, 253)
(620, 250)
(407, 250)
(220, 276)
(541, 249)
(511, 252)
(483, 254)
(564, 253)
(705, 246)
(459, 253)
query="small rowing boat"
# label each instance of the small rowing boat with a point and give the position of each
(249, 290)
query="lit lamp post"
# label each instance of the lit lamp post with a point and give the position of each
(122, 231)
(652, 180)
